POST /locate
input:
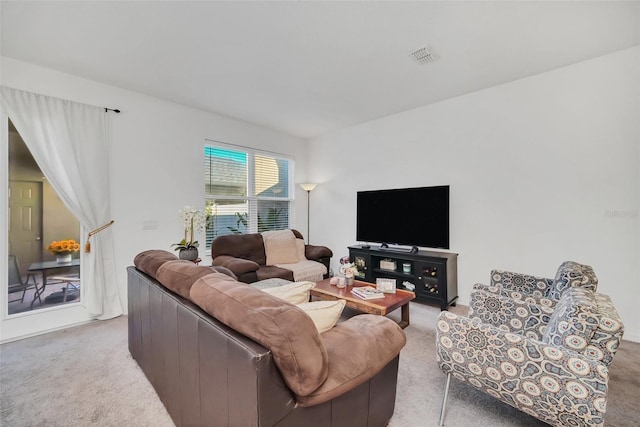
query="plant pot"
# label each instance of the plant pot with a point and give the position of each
(188, 254)
(64, 258)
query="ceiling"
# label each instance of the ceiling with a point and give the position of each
(309, 68)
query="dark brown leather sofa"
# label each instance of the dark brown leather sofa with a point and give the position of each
(257, 362)
(244, 254)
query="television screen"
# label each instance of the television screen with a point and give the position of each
(407, 216)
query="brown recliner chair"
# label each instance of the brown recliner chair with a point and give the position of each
(245, 256)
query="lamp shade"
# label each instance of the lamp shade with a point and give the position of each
(308, 187)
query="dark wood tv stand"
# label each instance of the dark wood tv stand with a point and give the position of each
(434, 274)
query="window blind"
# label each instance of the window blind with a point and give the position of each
(246, 191)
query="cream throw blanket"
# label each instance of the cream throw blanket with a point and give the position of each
(282, 249)
(306, 270)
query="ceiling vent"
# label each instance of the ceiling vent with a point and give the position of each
(423, 55)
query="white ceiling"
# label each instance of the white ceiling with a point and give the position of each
(308, 68)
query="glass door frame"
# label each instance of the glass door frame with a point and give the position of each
(32, 322)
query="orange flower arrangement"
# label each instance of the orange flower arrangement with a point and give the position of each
(63, 247)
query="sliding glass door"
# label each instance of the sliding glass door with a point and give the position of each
(43, 237)
(41, 247)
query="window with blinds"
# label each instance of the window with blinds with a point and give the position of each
(246, 191)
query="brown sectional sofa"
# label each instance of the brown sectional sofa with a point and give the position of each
(244, 254)
(232, 355)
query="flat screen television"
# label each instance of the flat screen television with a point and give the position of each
(405, 216)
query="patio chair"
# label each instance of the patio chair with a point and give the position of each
(16, 284)
(70, 291)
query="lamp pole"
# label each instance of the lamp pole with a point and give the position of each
(308, 188)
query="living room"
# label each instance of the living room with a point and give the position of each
(542, 168)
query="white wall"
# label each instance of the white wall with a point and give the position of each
(156, 160)
(541, 170)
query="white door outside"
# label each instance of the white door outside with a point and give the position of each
(25, 222)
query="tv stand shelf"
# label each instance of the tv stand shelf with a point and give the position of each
(433, 275)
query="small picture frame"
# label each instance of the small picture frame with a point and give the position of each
(388, 286)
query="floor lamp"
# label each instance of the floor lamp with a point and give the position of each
(308, 188)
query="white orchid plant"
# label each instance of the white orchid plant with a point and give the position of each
(193, 220)
(348, 268)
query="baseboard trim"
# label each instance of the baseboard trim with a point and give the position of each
(47, 331)
(632, 338)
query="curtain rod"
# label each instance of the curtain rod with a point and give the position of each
(115, 110)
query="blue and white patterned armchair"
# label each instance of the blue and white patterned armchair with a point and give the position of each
(541, 290)
(550, 363)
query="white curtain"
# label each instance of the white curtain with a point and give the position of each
(68, 141)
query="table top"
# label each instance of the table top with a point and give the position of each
(382, 306)
(51, 265)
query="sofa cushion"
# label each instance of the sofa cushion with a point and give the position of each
(376, 340)
(180, 275)
(149, 261)
(325, 314)
(283, 328)
(573, 321)
(294, 293)
(245, 246)
(280, 247)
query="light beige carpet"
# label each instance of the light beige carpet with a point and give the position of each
(84, 376)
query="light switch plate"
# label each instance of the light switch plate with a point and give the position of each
(150, 224)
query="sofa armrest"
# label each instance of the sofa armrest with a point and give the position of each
(357, 350)
(238, 266)
(509, 314)
(321, 254)
(315, 253)
(554, 384)
(525, 283)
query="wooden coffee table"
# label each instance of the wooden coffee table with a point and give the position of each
(326, 291)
